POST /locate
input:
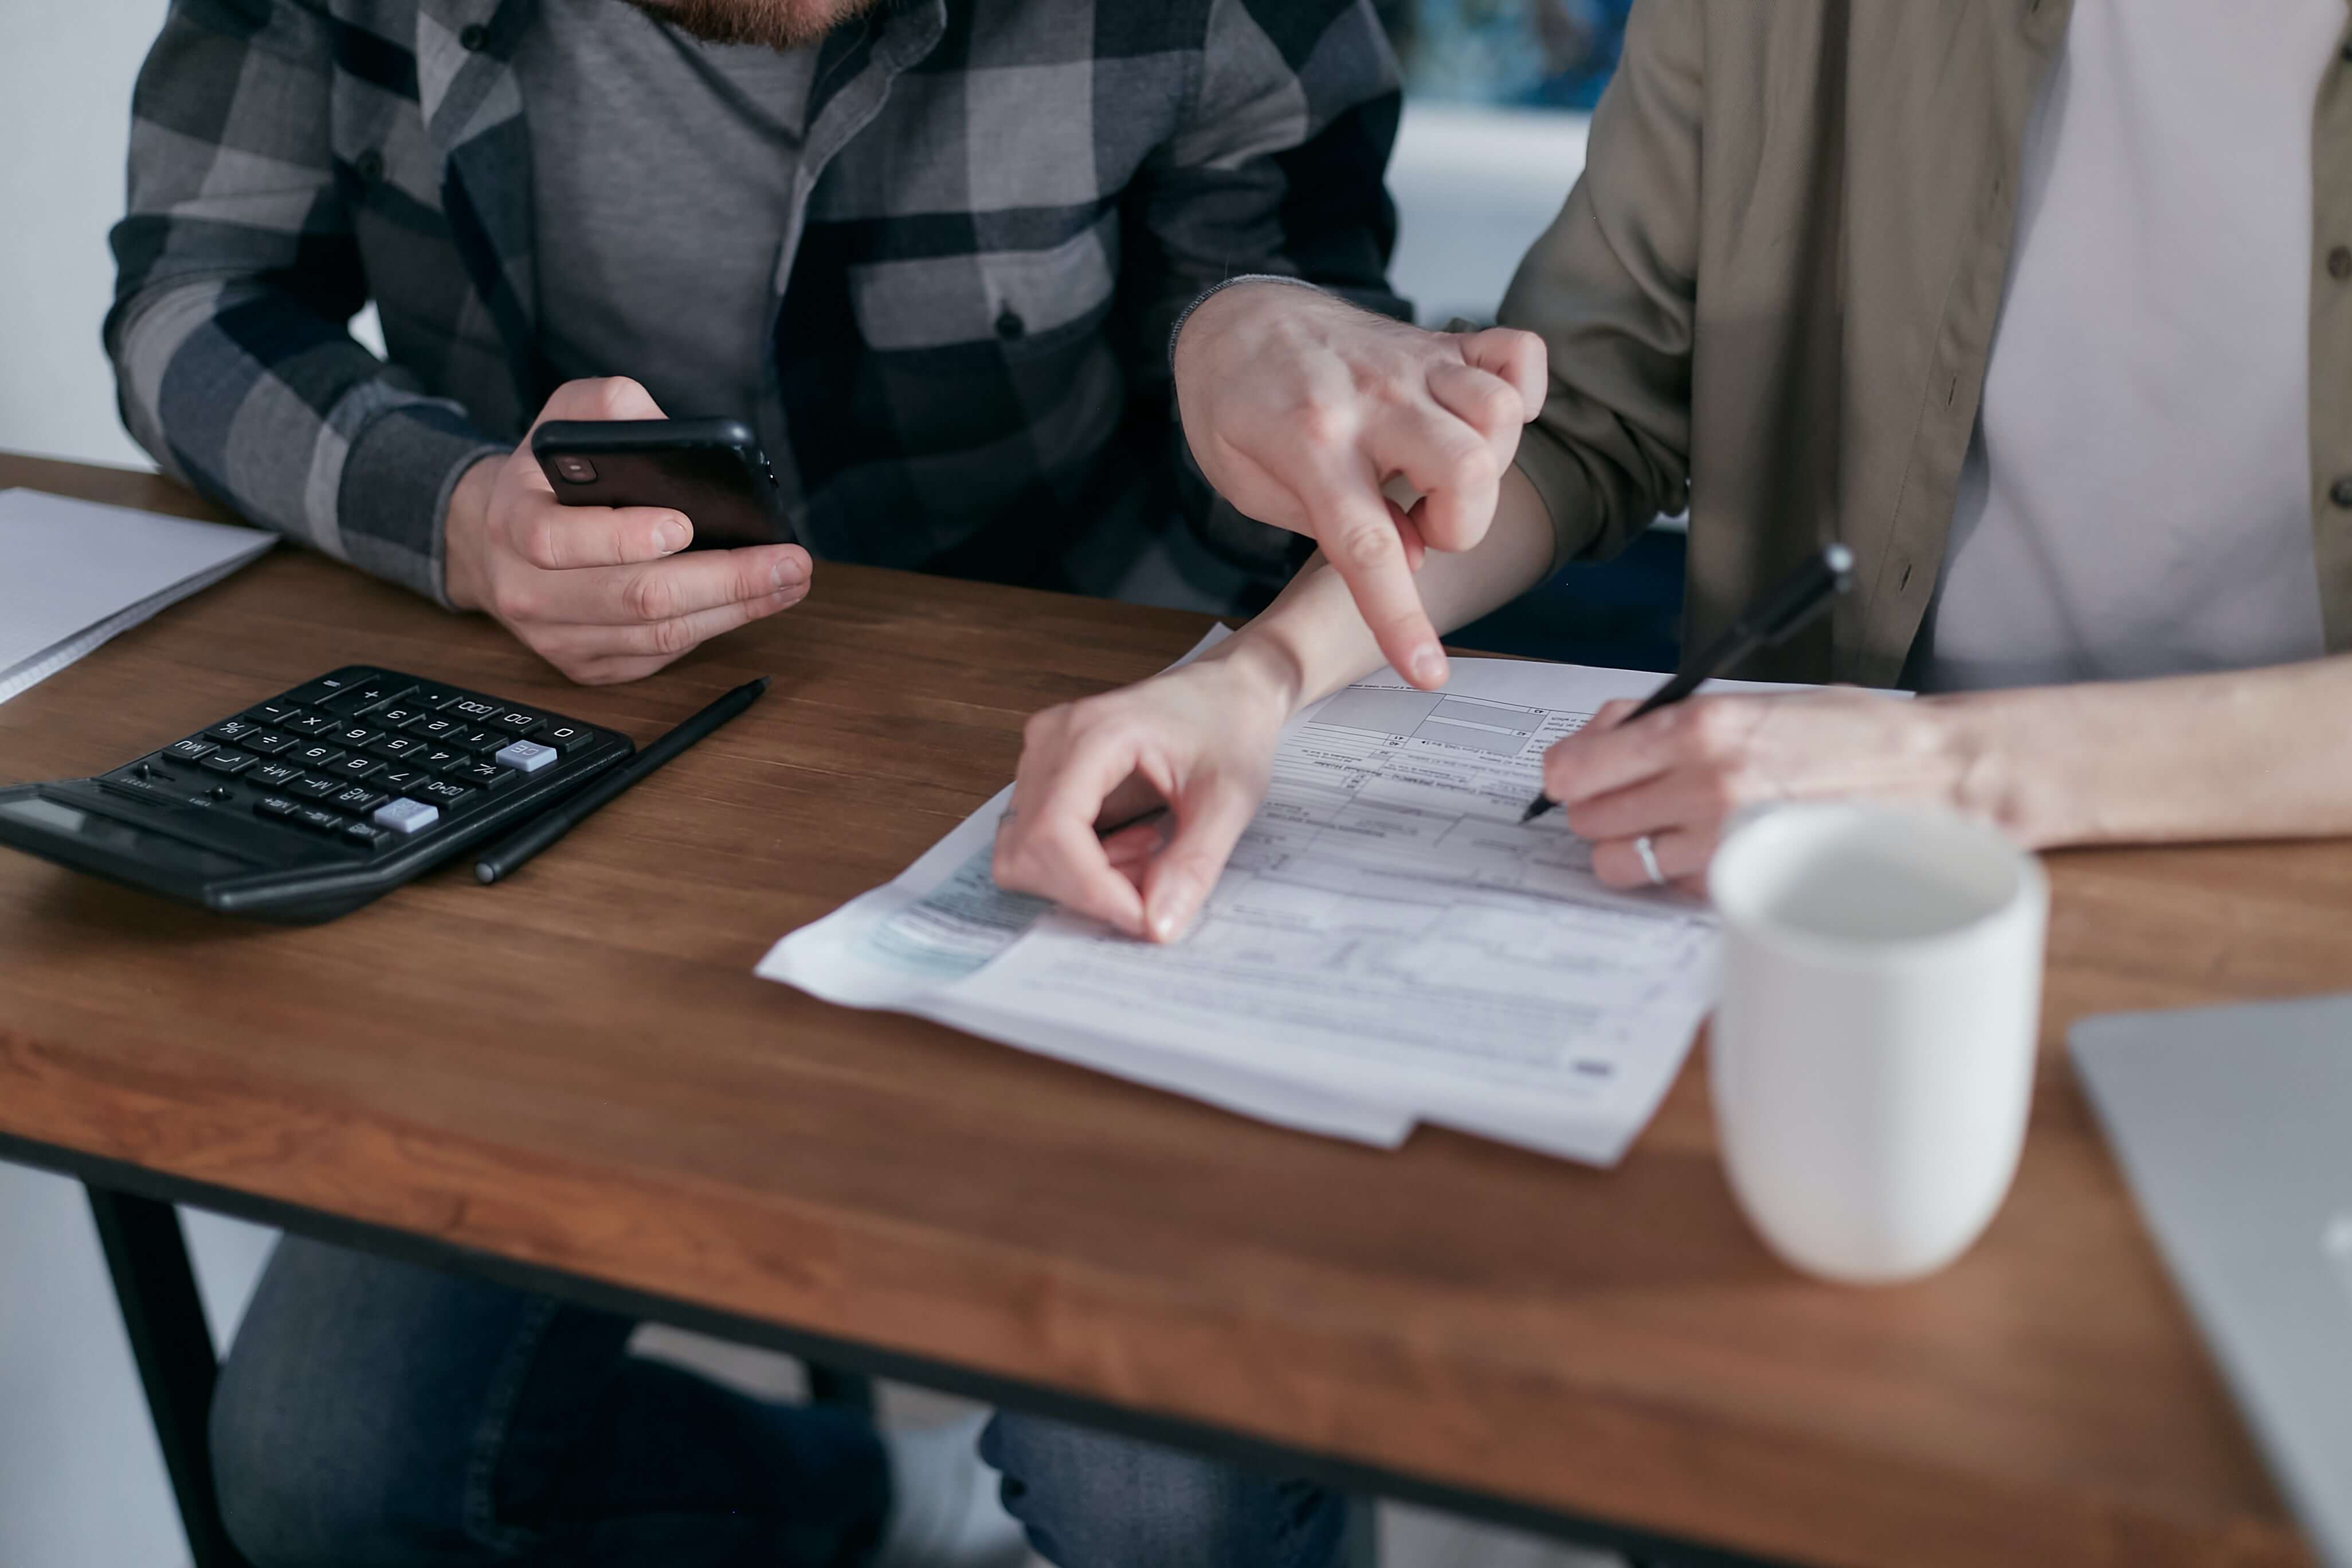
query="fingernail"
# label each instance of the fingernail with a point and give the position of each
(671, 535)
(1172, 906)
(785, 576)
(1429, 666)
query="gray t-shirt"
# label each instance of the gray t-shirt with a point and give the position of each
(2136, 501)
(661, 172)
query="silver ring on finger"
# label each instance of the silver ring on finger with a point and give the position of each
(1649, 854)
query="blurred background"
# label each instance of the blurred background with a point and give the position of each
(1493, 137)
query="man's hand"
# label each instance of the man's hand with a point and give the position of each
(1678, 775)
(601, 593)
(1300, 408)
(1199, 741)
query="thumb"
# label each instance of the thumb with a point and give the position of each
(1516, 356)
(1209, 819)
(602, 397)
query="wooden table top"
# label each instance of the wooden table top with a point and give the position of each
(578, 1070)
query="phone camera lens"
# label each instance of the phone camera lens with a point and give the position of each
(579, 470)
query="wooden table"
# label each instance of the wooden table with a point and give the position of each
(574, 1081)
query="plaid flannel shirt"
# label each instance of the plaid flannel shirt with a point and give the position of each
(1000, 208)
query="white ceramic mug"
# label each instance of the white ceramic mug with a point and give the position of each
(1874, 1051)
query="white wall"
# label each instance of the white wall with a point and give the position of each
(81, 1481)
(65, 118)
(1474, 187)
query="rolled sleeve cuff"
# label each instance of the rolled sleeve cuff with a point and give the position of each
(392, 505)
(1566, 493)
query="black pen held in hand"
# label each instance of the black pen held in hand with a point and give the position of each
(508, 855)
(1784, 610)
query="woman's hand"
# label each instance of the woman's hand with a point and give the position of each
(1198, 740)
(1675, 776)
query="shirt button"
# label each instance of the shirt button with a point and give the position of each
(472, 37)
(369, 166)
(1010, 325)
(2340, 492)
(2340, 263)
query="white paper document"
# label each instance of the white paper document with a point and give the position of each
(1388, 944)
(74, 574)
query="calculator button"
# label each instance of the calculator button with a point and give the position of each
(367, 694)
(397, 748)
(190, 750)
(436, 697)
(317, 819)
(482, 741)
(351, 737)
(443, 793)
(326, 686)
(317, 754)
(515, 720)
(438, 728)
(367, 837)
(229, 731)
(483, 776)
(358, 799)
(398, 776)
(405, 816)
(274, 776)
(472, 710)
(272, 712)
(567, 738)
(312, 724)
(441, 759)
(269, 742)
(355, 766)
(227, 762)
(277, 807)
(525, 756)
(398, 715)
(315, 786)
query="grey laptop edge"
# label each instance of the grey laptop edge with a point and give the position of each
(2234, 1127)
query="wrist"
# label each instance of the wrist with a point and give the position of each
(1268, 678)
(464, 524)
(1976, 736)
(1220, 299)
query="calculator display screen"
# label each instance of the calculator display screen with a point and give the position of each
(136, 843)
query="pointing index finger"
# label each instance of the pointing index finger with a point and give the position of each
(1353, 524)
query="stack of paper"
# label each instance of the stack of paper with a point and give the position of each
(74, 574)
(1389, 944)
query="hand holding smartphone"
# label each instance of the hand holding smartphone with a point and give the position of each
(579, 540)
(710, 469)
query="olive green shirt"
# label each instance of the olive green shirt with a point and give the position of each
(1772, 298)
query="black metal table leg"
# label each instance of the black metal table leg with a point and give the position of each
(845, 1390)
(156, 1287)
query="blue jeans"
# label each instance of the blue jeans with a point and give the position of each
(1092, 1500)
(377, 1415)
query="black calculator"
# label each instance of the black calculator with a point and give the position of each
(308, 804)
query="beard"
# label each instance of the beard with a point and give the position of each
(778, 24)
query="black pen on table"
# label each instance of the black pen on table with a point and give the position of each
(508, 855)
(1782, 612)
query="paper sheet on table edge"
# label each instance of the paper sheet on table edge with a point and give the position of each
(29, 672)
(800, 959)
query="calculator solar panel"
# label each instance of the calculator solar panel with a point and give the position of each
(307, 804)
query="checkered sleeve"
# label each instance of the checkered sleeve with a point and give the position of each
(1277, 171)
(1278, 168)
(236, 277)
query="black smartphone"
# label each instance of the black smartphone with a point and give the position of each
(710, 469)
